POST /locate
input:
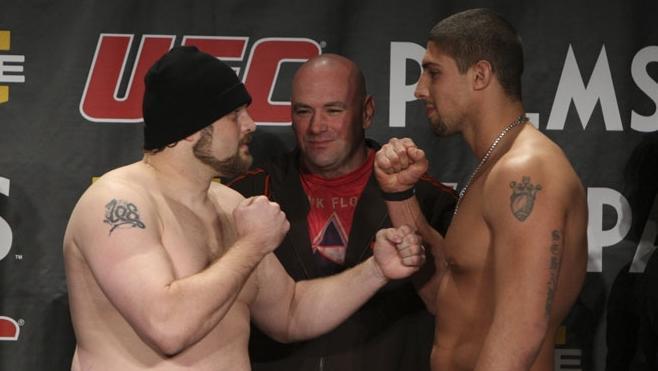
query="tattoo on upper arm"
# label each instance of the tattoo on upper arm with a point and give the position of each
(122, 214)
(523, 198)
(554, 268)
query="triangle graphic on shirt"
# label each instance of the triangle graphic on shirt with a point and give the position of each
(333, 233)
(331, 242)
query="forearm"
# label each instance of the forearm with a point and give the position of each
(426, 281)
(189, 308)
(408, 212)
(320, 305)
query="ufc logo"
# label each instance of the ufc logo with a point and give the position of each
(102, 101)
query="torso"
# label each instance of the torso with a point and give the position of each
(465, 297)
(106, 341)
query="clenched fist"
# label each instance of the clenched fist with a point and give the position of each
(399, 164)
(260, 222)
(398, 252)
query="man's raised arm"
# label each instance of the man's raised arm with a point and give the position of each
(399, 165)
(290, 311)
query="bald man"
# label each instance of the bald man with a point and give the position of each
(335, 206)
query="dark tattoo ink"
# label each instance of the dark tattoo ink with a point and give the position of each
(122, 214)
(554, 268)
(523, 198)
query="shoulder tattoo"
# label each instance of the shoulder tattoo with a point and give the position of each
(523, 197)
(122, 214)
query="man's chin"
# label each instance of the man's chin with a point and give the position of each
(232, 167)
(439, 128)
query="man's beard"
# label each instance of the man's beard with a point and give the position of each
(228, 167)
(438, 127)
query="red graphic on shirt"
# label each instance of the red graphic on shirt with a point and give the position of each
(332, 203)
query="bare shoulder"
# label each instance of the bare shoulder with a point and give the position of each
(536, 156)
(120, 199)
(534, 168)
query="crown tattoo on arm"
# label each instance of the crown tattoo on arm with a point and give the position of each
(523, 197)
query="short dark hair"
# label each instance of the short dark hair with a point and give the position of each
(481, 34)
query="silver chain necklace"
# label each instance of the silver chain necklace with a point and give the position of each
(519, 120)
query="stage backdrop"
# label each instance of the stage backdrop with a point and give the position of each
(71, 83)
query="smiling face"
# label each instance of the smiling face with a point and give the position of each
(329, 114)
(444, 90)
(224, 144)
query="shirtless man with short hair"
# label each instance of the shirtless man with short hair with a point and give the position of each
(514, 258)
(165, 267)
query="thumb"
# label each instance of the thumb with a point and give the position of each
(248, 201)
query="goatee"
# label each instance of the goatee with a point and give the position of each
(229, 167)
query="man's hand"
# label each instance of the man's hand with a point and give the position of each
(399, 164)
(398, 252)
(261, 222)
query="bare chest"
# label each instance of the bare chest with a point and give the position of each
(465, 292)
(194, 240)
(467, 243)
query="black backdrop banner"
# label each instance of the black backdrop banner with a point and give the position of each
(70, 96)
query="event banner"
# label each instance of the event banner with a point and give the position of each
(71, 86)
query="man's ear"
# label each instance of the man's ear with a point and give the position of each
(483, 74)
(192, 138)
(368, 111)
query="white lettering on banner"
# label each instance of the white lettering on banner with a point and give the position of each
(534, 119)
(6, 235)
(572, 88)
(598, 238)
(647, 85)
(15, 68)
(400, 93)
(567, 359)
(648, 241)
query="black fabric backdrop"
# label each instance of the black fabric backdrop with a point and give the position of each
(590, 84)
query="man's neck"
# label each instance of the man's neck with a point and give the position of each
(489, 124)
(185, 181)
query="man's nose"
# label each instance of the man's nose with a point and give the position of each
(247, 123)
(421, 91)
(317, 123)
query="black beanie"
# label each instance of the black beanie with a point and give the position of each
(185, 91)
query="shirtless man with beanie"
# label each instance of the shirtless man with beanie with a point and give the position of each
(165, 267)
